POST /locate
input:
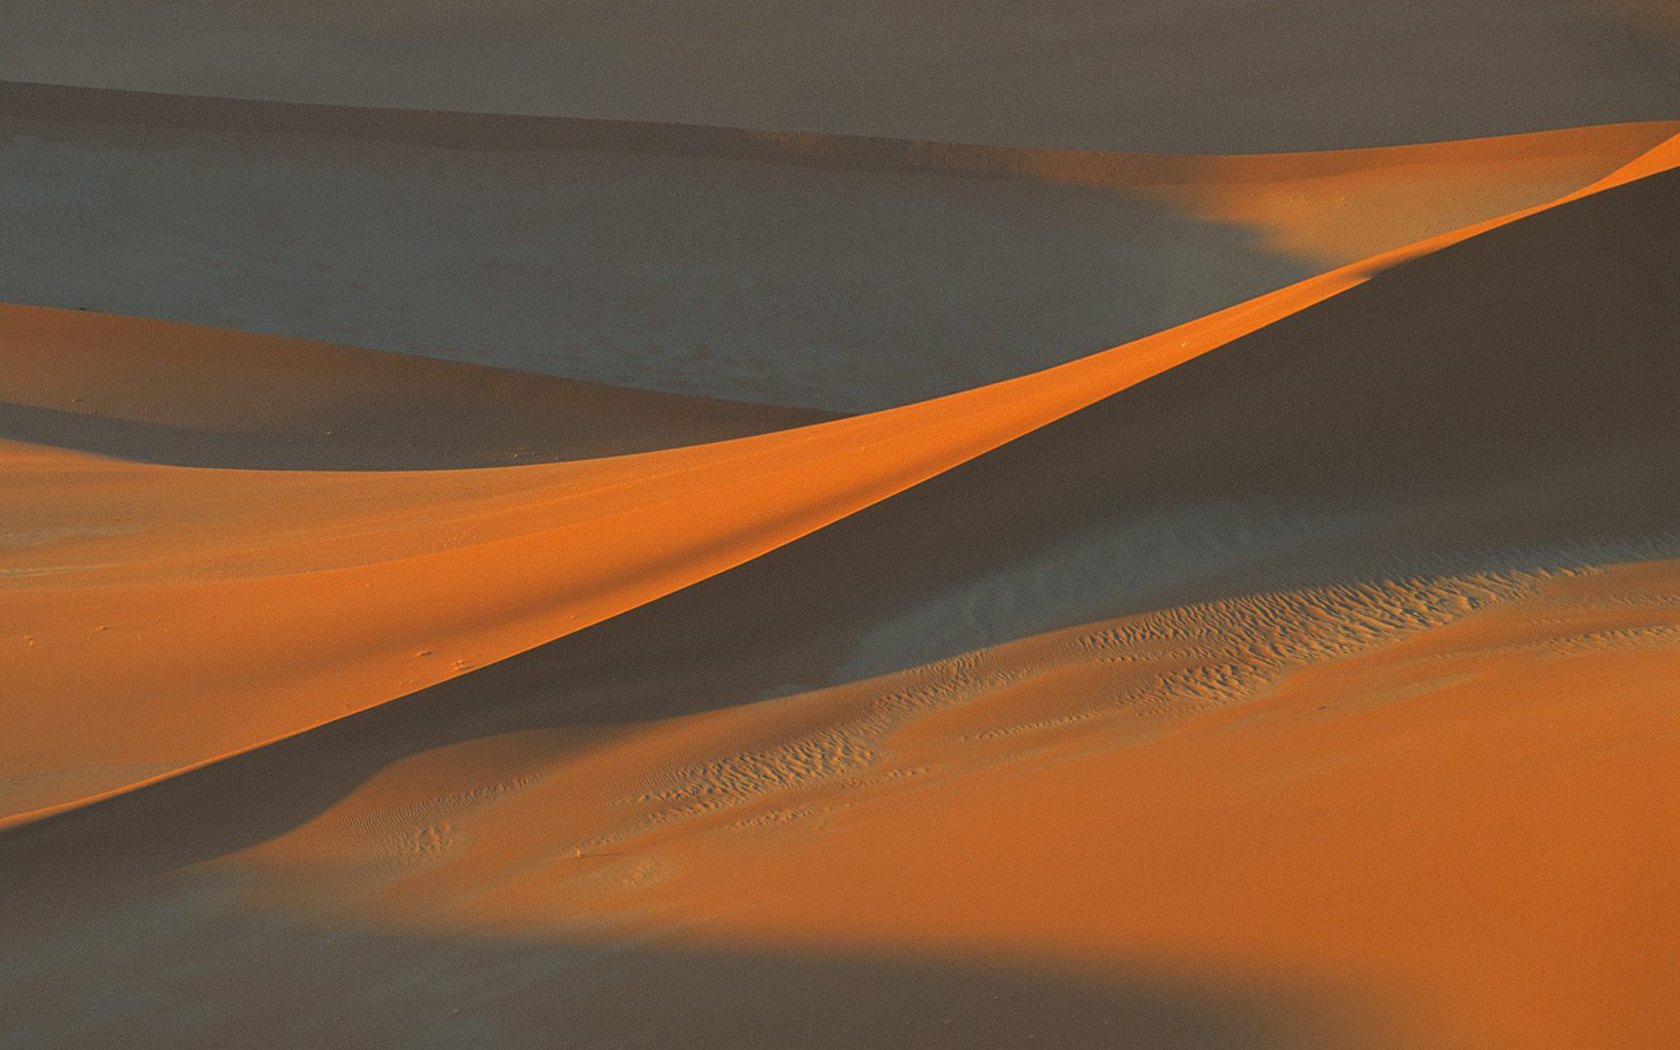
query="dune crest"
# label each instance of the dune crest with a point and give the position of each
(429, 575)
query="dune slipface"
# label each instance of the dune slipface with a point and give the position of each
(1298, 674)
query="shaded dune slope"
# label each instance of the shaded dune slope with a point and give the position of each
(689, 258)
(316, 577)
(463, 130)
(172, 393)
(1442, 176)
(1149, 74)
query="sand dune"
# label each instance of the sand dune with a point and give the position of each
(1204, 75)
(844, 273)
(1310, 657)
(355, 588)
(1264, 801)
(170, 393)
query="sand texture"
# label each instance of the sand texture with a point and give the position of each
(920, 573)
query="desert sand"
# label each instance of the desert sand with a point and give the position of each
(1298, 672)
(838, 273)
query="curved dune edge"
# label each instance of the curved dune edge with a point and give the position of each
(740, 499)
(189, 395)
(1329, 206)
(457, 129)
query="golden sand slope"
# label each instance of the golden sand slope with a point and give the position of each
(1385, 811)
(287, 600)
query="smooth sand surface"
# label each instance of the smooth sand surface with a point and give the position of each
(838, 273)
(1195, 75)
(112, 555)
(131, 388)
(1295, 677)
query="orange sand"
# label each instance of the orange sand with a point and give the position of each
(351, 589)
(1429, 811)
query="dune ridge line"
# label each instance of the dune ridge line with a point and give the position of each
(754, 494)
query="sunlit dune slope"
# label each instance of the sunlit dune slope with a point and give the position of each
(167, 615)
(171, 393)
(1338, 207)
(1527, 422)
(1451, 803)
(840, 272)
(1417, 813)
(1351, 722)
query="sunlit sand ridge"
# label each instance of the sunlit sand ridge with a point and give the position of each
(1371, 756)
